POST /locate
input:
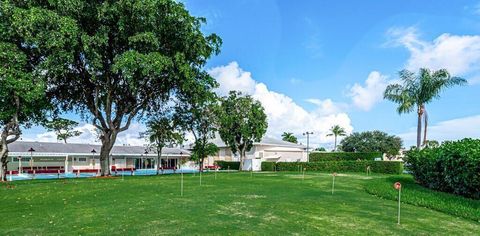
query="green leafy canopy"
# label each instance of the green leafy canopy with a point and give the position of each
(241, 121)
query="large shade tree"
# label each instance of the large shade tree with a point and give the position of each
(336, 131)
(417, 90)
(22, 97)
(372, 141)
(110, 61)
(241, 122)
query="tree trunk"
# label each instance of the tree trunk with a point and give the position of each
(159, 158)
(335, 147)
(425, 120)
(200, 161)
(242, 158)
(419, 126)
(108, 139)
(3, 159)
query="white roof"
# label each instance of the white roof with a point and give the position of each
(266, 141)
(80, 148)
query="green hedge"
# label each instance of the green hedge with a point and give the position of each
(343, 156)
(385, 167)
(268, 166)
(224, 165)
(454, 167)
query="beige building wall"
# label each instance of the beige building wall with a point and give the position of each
(263, 152)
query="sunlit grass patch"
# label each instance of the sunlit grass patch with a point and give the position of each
(274, 203)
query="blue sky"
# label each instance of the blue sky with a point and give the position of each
(319, 49)
(308, 61)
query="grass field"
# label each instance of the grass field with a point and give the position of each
(235, 203)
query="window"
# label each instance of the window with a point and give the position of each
(82, 159)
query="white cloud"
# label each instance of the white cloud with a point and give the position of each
(365, 97)
(284, 115)
(447, 130)
(459, 54)
(327, 106)
(232, 77)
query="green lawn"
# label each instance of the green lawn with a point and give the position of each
(235, 203)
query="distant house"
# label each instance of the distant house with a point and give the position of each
(268, 149)
(71, 157)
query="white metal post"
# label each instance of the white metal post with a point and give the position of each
(181, 183)
(399, 193)
(333, 184)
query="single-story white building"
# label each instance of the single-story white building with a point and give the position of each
(268, 149)
(44, 157)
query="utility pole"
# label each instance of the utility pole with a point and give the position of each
(308, 143)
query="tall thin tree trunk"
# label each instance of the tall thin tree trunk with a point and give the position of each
(159, 158)
(425, 120)
(419, 127)
(201, 164)
(335, 147)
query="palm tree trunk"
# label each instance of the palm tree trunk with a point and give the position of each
(335, 147)
(425, 120)
(419, 126)
(159, 159)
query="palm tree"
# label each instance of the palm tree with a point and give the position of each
(336, 131)
(289, 137)
(415, 91)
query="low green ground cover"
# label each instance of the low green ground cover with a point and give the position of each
(414, 194)
(265, 203)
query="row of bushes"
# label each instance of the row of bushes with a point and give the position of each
(225, 165)
(453, 167)
(385, 167)
(343, 156)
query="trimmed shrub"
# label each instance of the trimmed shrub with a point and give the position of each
(232, 165)
(343, 156)
(384, 167)
(268, 166)
(453, 167)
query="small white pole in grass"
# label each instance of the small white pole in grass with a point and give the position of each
(398, 186)
(10, 176)
(251, 171)
(303, 174)
(216, 170)
(333, 181)
(200, 178)
(368, 170)
(181, 183)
